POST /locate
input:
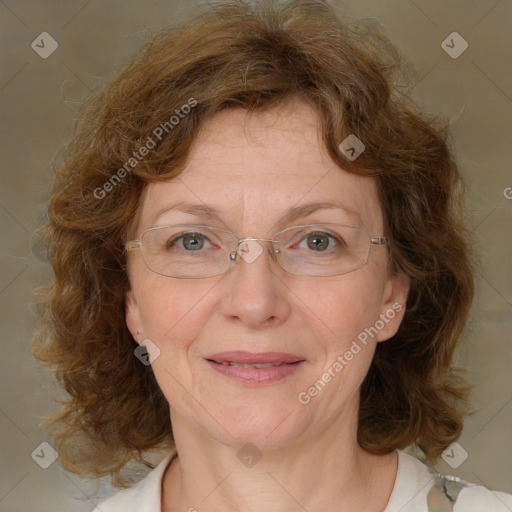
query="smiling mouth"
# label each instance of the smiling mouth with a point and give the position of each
(255, 369)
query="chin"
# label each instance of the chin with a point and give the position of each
(267, 428)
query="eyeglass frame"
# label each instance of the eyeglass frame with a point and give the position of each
(132, 245)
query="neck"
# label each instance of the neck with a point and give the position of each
(208, 475)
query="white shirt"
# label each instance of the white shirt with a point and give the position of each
(414, 481)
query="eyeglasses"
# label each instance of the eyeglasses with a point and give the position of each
(188, 251)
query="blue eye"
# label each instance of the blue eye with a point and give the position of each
(319, 241)
(192, 241)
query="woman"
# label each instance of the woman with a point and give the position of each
(261, 273)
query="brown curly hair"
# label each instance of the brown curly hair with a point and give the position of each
(253, 55)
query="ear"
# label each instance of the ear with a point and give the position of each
(133, 317)
(393, 306)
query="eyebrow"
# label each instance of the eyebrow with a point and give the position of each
(291, 214)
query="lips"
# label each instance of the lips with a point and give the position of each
(255, 369)
(250, 358)
(252, 365)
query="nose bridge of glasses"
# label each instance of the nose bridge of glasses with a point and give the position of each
(250, 248)
(252, 239)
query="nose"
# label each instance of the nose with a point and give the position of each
(255, 292)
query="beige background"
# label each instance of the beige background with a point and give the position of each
(38, 98)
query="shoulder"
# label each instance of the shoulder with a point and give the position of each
(145, 496)
(419, 488)
(476, 498)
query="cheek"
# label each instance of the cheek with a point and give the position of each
(342, 308)
(173, 312)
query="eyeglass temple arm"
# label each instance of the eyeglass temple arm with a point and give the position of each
(379, 240)
(132, 245)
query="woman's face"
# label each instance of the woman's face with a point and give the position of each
(252, 173)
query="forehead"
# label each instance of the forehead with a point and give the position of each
(252, 170)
